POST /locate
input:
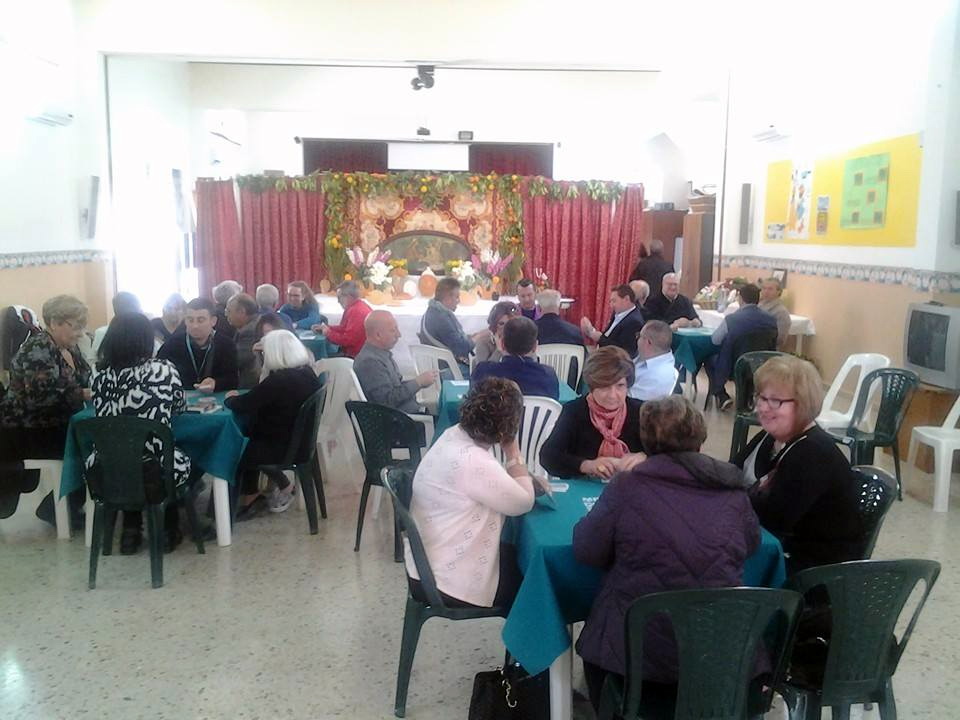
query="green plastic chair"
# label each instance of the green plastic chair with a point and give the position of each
(866, 599)
(746, 415)
(896, 390)
(398, 481)
(301, 457)
(718, 634)
(379, 431)
(877, 491)
(119, 442)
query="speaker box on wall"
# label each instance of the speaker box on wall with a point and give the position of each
(746, 195)
(956, 227)
(93, 201)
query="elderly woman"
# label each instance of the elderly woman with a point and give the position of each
(680, 520)
(301, 307)
(268, 413)
(171, 318)
(598, 434)
(461, 494)
(804, 491)
(49, 382)
(488, 348)
(130, 381)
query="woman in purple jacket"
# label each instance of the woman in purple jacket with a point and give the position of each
(679, 520)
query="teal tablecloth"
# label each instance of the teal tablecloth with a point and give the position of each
(691, 346)
(557, 590)
(451, 395)
(212, 441)
(317, 344)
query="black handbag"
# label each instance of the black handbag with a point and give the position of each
(510, 694)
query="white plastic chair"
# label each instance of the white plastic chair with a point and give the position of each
(427, 357)
(866, 363)
(539, 416)
(559, 355)
(944, 440)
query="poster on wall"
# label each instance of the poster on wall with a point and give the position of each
(823, 212)
(865, 181)
(798, 210)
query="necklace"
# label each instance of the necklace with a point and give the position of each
(203, 361)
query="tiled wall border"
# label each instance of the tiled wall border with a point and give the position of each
(920, 280)
(11, 261)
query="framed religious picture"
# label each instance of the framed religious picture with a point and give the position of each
(781, 275)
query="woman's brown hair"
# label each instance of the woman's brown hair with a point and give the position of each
(491, 411)
(671, 424)
(607, 366)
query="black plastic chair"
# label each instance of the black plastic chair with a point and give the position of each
(301, 457)
(118, 484)
(877, 491)
(746, 415)
(398, 481)
(718, 634)
(760, 341)
(896, 390)
(866, 598)
(379, 431)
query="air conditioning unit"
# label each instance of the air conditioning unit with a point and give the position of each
(53, 118)
(771, 133)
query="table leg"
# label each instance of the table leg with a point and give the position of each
(800, 344)
(221, 510)
(561, 686)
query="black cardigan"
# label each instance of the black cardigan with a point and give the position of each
(811, 503)
(222, 366)
(575, 439)
(269, 411)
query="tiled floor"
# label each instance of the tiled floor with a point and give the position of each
(285, 625)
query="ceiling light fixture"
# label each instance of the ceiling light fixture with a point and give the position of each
(424, 78)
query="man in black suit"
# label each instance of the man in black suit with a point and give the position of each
(551, 328)
(623, 327)
(652, 268)
(674, 309)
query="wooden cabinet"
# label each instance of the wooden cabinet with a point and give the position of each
(697, 266)
(665, 226)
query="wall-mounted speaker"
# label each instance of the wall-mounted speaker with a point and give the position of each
(746, 207)
(956, 226)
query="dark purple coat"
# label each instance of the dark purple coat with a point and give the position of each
(676, 522)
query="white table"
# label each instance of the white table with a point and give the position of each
(799, 325)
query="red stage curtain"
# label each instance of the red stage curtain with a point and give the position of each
(585, 246)
(282, 237)
(512, 159)
(217, 243)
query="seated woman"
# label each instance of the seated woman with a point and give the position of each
(487, 348)
(461, 495)
(130, 381)
(268, 413)
(49, 382)
(171, 319)
(804, 492)
(680, 520)
(301, 307)
(598, 434)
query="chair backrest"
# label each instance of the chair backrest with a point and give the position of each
(120, 443)
(953, 416)
(718, 632)
(303, 438)
(865, 363)
(755, 342)
(427, 357)
(339, 381)
(866, 600)
(743, 370)
(399, 483)
(878, 490)
(379, 431)
(560, 357)
(896, 390)
(539, 416)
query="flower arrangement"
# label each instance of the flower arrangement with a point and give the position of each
(489, 266)
(720, 293)
(365, 265)
(463, 271)
(540, 279)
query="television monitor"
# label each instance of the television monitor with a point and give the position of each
(931, 344)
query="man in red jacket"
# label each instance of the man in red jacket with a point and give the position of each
(349, 334)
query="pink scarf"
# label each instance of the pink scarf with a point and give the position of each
(609, 423)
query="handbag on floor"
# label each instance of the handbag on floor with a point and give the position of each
(510, 694)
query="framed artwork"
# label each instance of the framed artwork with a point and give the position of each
(781, 275)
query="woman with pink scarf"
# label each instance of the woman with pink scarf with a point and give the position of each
(599, 434)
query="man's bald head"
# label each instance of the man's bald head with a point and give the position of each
(381, 328)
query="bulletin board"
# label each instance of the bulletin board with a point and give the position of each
(879, 181)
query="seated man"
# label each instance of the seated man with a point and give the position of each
(770, 292)
(205, 358)
(377, 370)
(551, 328)
(222, 293)
(655, 376)
(349, 334)
(527, 299)
(440, 327)
(519, 361)
(123, 302)
(674, 309)
(642, 291)
(243, 315)
(623, 326)
(748, 320)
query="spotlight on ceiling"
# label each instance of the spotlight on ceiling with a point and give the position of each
(424, 78)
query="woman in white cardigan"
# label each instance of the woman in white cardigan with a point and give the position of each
(461, 495)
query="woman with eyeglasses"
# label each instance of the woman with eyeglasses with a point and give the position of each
(804, 491)
(488, 348)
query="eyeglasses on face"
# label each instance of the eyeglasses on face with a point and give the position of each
(771, 402)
